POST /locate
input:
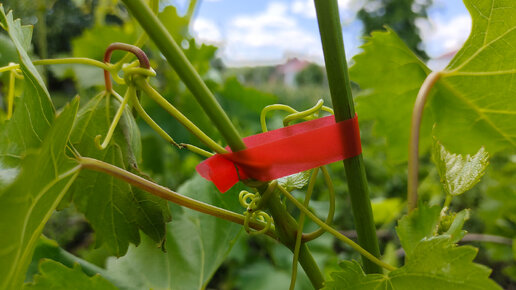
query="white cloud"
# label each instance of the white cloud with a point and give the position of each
(275, 31)
(206, 30)
(444, 36)
(304, 8)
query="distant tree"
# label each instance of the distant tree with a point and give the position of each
(311, 75)
(258, 74)
(400, 15)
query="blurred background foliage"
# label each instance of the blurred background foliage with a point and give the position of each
(84, 28)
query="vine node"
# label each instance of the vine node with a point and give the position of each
(138, 52)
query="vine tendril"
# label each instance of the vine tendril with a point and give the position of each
(138, 52)
(308, 114)
(252, 202)
(317, 233)
(130, 90)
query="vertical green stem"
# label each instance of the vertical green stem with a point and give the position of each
(176, 58)
(340, 89)
(42, 33)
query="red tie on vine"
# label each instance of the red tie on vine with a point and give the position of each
(285, 151)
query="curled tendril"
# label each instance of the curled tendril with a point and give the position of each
(315, 234)
(245, 195)
(275, 107)
(306, 114)
(143, 60)
(294, 115)
(260, 216)
(250, 201)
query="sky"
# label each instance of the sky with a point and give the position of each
(254, 32)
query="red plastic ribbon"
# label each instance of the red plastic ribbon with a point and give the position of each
(285, 151)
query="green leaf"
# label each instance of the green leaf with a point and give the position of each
(27, 204)
(196, 245)
(20, 34)
(473, 103)
(390, 75)
(435, 263)
(49, 249)
(295, 181)
(352, 277)
(459, 173)
(421, 223)
(56, 276)
(261, 274)
(200, 55)
(115, 210)
(176, 25)
(386, 210)
(476, 104)
(33, 112)
(452, 225)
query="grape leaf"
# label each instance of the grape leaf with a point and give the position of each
(27, 204)
(420, 223)
(453, 223)
(115, 210)
(49, 249)
(21, 35)
(295, 181)
(33, 112)
(476, 102)
(196, 245)
(389, 75)
(54, 275)
(176, 25)
(435, 263)
(251, 277)
(473, 103)
(459, 173)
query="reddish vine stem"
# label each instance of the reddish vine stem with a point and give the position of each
(138, 52)
(413, 159)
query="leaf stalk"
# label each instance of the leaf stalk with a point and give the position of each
(415, 127)
(165, 193)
